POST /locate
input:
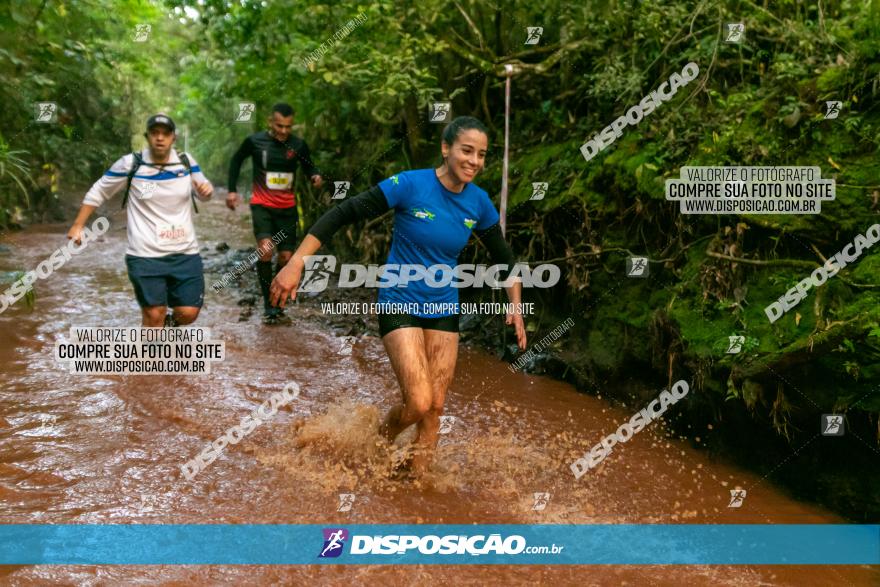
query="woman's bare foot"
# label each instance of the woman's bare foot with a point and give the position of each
(401, 463)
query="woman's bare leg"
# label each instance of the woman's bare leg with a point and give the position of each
(442, 351)
(406, 351)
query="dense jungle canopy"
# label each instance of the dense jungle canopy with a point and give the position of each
(362, 106)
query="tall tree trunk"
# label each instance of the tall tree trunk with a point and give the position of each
(414, 124)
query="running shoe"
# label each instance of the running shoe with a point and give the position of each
(273, 315)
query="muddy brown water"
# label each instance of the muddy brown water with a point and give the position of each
(108, 449)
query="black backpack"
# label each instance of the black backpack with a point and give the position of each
(136, 164)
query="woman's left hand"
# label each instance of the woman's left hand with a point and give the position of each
(516, 319)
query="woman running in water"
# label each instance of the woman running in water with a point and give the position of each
(435, 211)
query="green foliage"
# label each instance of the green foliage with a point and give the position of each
(14, 176)
(361, 102)
(30, 297)
(81, 56)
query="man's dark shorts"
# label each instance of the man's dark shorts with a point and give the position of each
(280, 223)
(172, 280)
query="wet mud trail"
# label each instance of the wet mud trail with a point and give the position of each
(108, 449)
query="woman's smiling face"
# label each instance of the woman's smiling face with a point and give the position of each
(466, 156)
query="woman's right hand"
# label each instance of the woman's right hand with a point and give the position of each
(285, 284)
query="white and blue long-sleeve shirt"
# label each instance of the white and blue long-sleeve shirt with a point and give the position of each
(159, 208)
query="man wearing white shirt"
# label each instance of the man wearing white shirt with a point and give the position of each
(163, 259)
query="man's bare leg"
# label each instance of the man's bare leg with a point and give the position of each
(153, 316)
(184, 315)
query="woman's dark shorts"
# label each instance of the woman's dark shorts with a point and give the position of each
(389, 322)
(172, 280)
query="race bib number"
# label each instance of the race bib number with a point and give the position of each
(278, 181)
(171, 234)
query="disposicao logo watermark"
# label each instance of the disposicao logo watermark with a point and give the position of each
(627, 430)
(446, 424)
(55, 261)
(637, 267)
(319, 269)
(347, 345)
(541, 501)
(45, 112)
(634, 115)
(235, 434)
(317, 273)
(245, 111)
(533, 35)
(735, 32)
(148, 189)
(735, 344)
(832, 425)
(432, 544)
(346, 29)
(334, 542)
(239, 269)
(142, 32)
(832, 109)
(346, 500)
(340, 189)
(148, 503)
(440, 111)
(823, 273)
(737, 497)
(47, 422)
(539, 190)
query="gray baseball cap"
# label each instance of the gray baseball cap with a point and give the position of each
(160, 119)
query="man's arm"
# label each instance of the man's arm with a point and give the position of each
(244, 151)
(76, 230)
(311, 171)
(110, 184)
(203, 186)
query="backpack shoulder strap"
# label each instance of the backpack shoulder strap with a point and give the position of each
(136, 163)
(184, 159)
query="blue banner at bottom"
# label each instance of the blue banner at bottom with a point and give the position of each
(276, 544)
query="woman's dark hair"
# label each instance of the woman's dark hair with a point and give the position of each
(454, 128)
(283, 108)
